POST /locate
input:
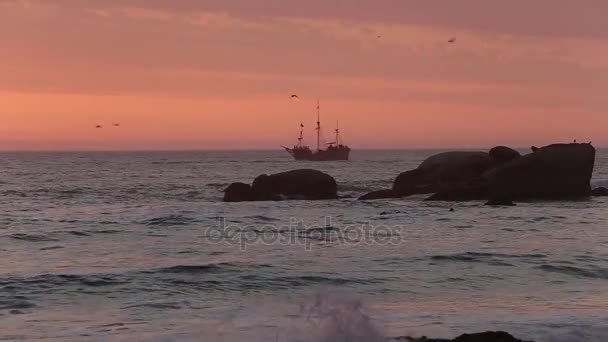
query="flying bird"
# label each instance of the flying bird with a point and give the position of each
(295, 97)
(99, 126)
(379, 37)
(452, 40)
(116, 125)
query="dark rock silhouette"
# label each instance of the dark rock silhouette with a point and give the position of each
(302, 184)
(442, 171)
(238, 192)
(490, 336)
(554, 172)
(559, 171)
(502, 154)
(311, 184)
(378, 194)
(599, 192)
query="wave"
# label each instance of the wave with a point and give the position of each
(16, 304)
(183, 162)
(32, 237)
(596, 273)
(169, 220)
(495, 259)
(263, 218)
(196, 269)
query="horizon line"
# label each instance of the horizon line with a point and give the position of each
(256, 149)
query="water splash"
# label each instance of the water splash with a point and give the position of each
(340, 319)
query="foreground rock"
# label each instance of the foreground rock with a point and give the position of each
(379, 194)
(490, 336)
(305, 184)
(554, 172)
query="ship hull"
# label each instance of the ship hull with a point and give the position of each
(323, 155)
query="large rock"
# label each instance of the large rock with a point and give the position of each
(297, 184)
(238, 192)
(308, 183)
(378, 194)
(442, 171)
(559, 171)
(599, 192)
(489, 336)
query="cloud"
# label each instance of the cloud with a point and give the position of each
(585, 18)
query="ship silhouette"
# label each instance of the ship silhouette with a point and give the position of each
(335, 150)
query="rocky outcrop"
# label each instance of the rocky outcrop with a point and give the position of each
(378, 194)
(599, 192)
(297, 184)
(238, 192)
(442, 171)
(559, 171)
(503, 154)
(490, 336)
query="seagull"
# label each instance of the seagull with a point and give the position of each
(116, 125)
(379, 37)
(295, 97)
(452, 40)
(99, 126)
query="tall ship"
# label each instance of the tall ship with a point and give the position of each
(335, 150)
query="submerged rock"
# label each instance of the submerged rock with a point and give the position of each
(301, 184)
(378, 194)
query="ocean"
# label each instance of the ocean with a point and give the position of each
(139, 246)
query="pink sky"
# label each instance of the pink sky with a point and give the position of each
(210, 74)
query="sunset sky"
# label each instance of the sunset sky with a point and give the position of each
(218, 74)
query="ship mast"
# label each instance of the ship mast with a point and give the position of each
(301, 135)
(318, 126)
(337, 134)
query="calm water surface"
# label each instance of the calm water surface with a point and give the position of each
(138, 246)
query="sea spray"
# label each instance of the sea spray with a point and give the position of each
(340, 318)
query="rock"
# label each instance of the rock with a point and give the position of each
(442, 171)
(534, 148)
(502, 202)
(502, 154)
(554, 172)
(559, 171)
(490, 336)
(238, 192)
(301, 184)
(599, 192)
(378, 194)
